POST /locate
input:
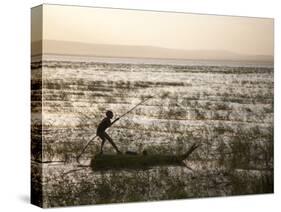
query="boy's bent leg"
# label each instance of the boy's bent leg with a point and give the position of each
(111, 142)
(102, 143)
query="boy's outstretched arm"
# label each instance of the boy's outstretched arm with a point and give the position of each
(114, 121)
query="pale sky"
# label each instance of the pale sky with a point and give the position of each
(183, 31)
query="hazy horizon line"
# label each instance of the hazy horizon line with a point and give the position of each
(158, 47)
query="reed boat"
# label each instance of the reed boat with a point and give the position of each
(138, 161)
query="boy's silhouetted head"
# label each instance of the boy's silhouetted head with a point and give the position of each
(109, 114)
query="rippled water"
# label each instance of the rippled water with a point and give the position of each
(228, 109)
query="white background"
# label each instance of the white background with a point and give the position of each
(15, 103)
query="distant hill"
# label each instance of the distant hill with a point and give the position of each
(102, 50)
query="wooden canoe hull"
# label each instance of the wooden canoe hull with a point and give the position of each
(125, 161)
(107, 162)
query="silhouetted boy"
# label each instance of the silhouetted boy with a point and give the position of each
(106, 123)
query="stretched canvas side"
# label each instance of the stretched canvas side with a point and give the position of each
(36, 106)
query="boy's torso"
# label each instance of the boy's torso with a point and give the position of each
(105, 123)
